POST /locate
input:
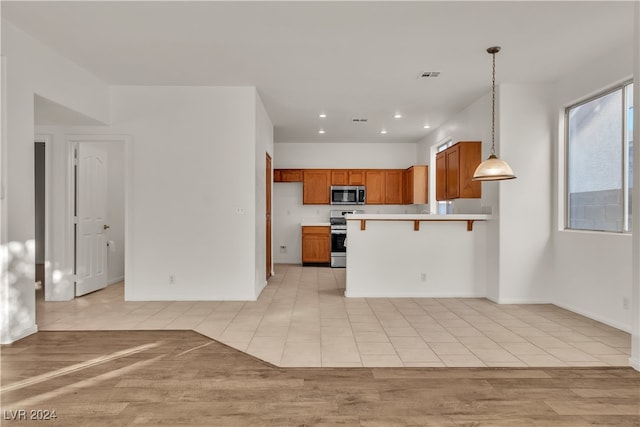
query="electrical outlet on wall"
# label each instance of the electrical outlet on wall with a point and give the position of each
(423, 277)
(283, 249)
(172, 279)
(625, 303)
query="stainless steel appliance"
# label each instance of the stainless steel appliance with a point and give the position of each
(348, 194)
(338, 223)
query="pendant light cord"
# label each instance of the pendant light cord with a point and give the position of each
(493, 106)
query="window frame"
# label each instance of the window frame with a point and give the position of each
(622, 87)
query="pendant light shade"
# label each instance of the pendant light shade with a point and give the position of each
(493, 169)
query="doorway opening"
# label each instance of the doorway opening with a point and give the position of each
(99, 215)
(268, 181)
(40, 171)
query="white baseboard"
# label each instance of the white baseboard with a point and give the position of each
(259, 291)
(634, 363)
(520, 301)
(115, 280)
(351, 294)
(596, 317)
(24, 333)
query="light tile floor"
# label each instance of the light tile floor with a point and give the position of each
(302, 319)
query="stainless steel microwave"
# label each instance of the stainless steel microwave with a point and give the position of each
(348, 194)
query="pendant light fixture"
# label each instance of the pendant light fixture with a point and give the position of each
(493, 169)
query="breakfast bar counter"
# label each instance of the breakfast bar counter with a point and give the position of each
(416, 255)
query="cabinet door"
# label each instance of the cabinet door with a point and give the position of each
(441, 176)
(420, 185)
(416, 185)
(393, 187)
(340, 177)
(316, 244)
(375, 187)
(316, 185)
(357, 177)
(287, 175)
(470, 158)
(407, 186)
(453, 172)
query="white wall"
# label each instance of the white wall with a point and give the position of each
(193, 161)
(389, 257)
(345, 155)
(592, 269)
(635, 291)
(193, 198)
(31, 68)
(115, 211)
(61, 257)
(288, 210)
(517, 239)
(525, 133)
(264, 146)
(471, 124)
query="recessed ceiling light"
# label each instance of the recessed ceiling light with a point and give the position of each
(321, 131)
(322, 115)
(426, 126)
(397, 116)
(383, 131)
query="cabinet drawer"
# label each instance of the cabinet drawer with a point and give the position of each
(316, 229)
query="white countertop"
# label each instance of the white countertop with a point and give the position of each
(315, 224)
(433, 217)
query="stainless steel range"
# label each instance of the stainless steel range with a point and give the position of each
(338, 222)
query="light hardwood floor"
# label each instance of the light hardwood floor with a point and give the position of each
(151, 378)
(302, 319)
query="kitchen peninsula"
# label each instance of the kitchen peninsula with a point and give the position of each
(416, 255)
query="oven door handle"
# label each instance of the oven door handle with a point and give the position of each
(338, 232)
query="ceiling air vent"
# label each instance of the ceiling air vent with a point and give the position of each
(429, 74)
(359, 120)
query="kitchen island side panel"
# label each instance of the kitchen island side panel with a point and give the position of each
(390, 259)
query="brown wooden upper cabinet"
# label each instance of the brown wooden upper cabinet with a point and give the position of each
(340, 177)
(441, 176)
(375, 182)
(393, 186)
(287, 175)
(454, 171)
(384, 186)
(316, 186)
(357, 177)
(415, 185)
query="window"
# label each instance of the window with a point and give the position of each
(599, 161)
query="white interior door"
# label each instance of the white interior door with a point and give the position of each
(91, 232)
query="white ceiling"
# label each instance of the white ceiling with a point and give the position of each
(347, 59)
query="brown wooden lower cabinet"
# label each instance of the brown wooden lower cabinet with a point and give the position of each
(316, 245)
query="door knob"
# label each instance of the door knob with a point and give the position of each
(106, 227)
